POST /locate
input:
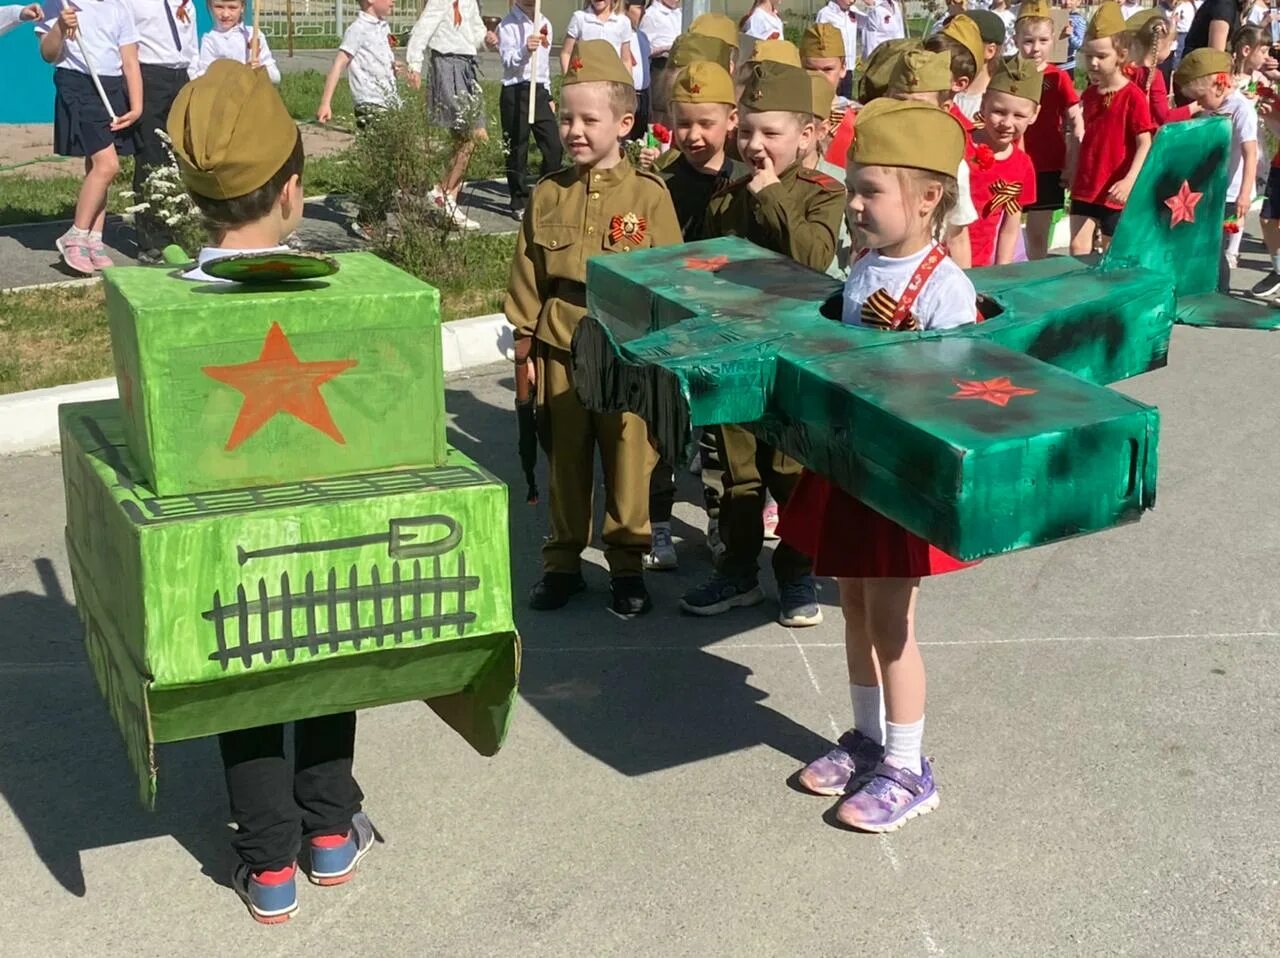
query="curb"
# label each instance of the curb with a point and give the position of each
(31, 418)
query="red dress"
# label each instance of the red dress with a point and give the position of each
(847, 538)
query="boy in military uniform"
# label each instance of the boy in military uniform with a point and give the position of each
(791, 210)
(704, 117)
(599, 205)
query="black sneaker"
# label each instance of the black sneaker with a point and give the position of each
(555, 589)
(1268, 286)
(517, 211)
(630, 597)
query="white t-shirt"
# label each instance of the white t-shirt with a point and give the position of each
(880, 22)
(1129, 9)
(964, 212)
(210, 253)
(968, 103)
(847, 24)
(583, 25)
(763, 25)
(947, 299)
(105, 27)
(233, 44)
(662, 24)
(1183, 14)
(372, 73)
(640, 51)
(1244, 129)
(1009, 18)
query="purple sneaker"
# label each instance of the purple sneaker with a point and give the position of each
(854, 756)
(889, 798)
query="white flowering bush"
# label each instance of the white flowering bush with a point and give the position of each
(165, 198)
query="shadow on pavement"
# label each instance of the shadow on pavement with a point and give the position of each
(63, 770)
(637, 713)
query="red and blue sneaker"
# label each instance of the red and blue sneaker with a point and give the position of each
(272, 896)
(334, 857)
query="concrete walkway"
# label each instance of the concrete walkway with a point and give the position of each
(1102, 712)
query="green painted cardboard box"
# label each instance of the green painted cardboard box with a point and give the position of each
(227, 385)
(207, 612)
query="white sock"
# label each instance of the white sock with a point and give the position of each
(95, 235)
(1275, 262)
(902, 744)
(76, 232)
(868, 711)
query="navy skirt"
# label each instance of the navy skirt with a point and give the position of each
(81, 124)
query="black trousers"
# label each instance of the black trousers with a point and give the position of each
(160, 86)
(276, 806)
(640, 128)
(513, 107)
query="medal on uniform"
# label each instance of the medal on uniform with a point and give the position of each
(630, 228)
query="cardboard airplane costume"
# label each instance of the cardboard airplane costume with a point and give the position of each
(983, 439)
(269, 525)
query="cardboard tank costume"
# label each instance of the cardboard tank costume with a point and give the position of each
(983, 439)
(269, 524)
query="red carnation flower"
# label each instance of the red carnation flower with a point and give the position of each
(392, 40)
(984, 157)
(662, 133)
(1232, 225)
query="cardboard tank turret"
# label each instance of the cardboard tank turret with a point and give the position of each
(269, 525)
(982, 439)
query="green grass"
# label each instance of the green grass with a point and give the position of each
(478, 283)
(34, 199)
(53, 336)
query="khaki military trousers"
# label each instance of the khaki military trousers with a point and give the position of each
(750, 467)
(570, 435)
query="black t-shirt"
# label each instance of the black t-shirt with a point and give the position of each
(691, 190)
(1210, 10)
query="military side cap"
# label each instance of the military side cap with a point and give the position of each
(965, 32)
(823, 93)
(778, 86)
(1143, 17)
(703, 83)
(1205, 62)
(990, 27)
(921, 71)
(1035, 9)
(716, 25)
(878, 69)
(699, 48)
(1107, 22)
(1019, 77)
(596, 61)
(230, 130)
(776, 51)
(908, 133)
(822, 41)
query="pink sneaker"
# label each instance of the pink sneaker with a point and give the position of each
(770, 520)
(75, 253)
(98, 255)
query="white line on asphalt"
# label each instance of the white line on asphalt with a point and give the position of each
(1028, 640)
(886, 844)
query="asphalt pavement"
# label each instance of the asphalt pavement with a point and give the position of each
(1101, 713)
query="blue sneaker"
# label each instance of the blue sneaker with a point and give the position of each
(337, 864)
(799, 603)
(721, 593)
(272, 897)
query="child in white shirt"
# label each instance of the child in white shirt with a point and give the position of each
(232, 39)
(525, 50)
(599, 20)
(94, 37)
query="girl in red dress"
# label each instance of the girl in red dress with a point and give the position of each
(901, 179)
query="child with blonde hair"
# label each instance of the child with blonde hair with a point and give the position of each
(901, 186)
(599, 20)
(231, 39)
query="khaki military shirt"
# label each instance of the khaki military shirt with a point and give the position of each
(799, 216)
(573, 215)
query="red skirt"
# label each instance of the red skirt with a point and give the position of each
(850, 540)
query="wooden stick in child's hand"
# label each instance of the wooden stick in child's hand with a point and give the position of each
(254, 44)
(533, 65)
(93, 75)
